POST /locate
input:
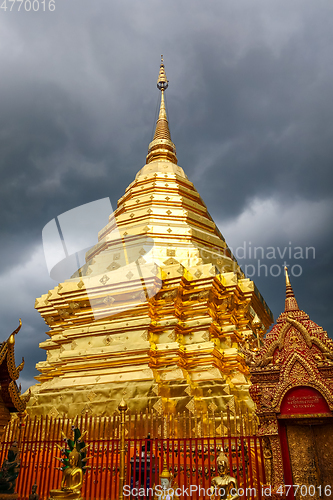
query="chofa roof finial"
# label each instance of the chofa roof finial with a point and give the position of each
(291, 302)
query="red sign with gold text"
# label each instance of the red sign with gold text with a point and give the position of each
(303, 400)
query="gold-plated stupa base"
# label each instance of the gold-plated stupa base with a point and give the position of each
(173, 396)
(64, 495)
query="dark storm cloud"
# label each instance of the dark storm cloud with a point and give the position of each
(264, 127)
(270, 234)
(250, 109)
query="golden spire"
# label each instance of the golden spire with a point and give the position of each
(161, 147)
(291, 302)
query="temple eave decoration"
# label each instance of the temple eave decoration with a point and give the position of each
(11, 400)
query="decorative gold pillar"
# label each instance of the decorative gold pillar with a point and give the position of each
(272, 453)
(122, 409)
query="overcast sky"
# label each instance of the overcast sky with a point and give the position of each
(250, 108)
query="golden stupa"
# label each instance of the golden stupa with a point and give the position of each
(160, 328)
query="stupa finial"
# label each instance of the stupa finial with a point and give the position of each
(162, 148)
(162, 81)
(291, 302)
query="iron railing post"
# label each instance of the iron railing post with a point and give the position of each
(122, 409)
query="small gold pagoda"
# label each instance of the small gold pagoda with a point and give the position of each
(159, 327)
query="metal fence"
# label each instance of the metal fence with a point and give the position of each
(149, 439)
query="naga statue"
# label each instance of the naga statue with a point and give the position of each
(73, 467)
(9, 472)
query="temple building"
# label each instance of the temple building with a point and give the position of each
(292, 387)
(157, 313)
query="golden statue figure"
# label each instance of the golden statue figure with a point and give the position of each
(73, 468)
(71, 480)
(268, 460)
(225, 486)
(166, 490)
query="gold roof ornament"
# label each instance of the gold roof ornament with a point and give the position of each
(162, 148)
(122, 405)
(291, 302)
